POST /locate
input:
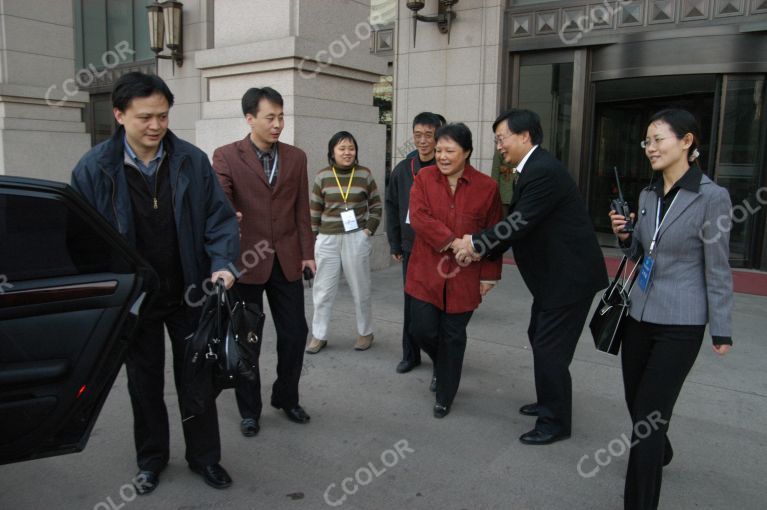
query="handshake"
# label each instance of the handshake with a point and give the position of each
(463, 248)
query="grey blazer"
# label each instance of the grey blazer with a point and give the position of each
(691, 280)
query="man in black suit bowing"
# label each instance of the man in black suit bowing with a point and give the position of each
(556, 250)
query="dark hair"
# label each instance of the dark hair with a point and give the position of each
(459, 133)
(335, 140)
(519, 121)
(254, 95)
(680, 122)
(429, 119)
(135, 84)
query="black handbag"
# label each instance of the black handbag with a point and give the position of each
(607, 322)
(200, 361)
(222, 351)
(239, 345)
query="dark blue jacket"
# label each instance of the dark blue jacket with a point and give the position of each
(208, 234)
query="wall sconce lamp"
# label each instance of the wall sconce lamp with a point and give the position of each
(165, 30)
(444, 17)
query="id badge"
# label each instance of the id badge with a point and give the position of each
(407, 218)
(350, 221)
(645, 274)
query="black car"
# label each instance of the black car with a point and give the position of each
(70, 293)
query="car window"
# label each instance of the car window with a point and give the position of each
(42, 238)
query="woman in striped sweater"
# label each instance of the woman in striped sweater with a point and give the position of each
(346, 211)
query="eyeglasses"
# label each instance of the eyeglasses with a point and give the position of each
(426, 137)
(497, 140)
(646, 143)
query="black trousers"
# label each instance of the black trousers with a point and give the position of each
(553, 335)
(656, 360)
(410, 349)
(145, 366)
(286, 302)
(442, 336)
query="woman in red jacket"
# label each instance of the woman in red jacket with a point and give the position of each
(447, 201)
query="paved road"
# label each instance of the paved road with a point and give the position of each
(375, 427)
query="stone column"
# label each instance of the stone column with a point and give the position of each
(41, 130)
(460, 80)
(317, 55)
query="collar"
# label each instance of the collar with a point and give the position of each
(524, 160)
(344, 169)
(416, 164)
(417, 157)
(261, 153)
(110, 154)
(690, 181)
(468, 174)
(132, 154)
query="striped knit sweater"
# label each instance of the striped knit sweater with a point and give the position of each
(326, 202)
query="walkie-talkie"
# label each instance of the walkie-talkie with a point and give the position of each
(620, 205)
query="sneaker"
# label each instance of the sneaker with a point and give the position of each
(316, 346)
(363, 342)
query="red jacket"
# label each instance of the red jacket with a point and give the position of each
(437, 217)
(274, 220)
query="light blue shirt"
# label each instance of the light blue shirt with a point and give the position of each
(154, 163)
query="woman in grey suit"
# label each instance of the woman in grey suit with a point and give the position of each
(685, 282)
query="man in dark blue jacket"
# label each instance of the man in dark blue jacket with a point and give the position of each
(161, 193)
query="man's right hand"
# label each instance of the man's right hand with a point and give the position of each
(397, 257)
(464, 250)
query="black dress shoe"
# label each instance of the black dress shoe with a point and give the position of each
(297, 414)
(538, 437)
(441, 411)
(146, 481)
(433, 385)
(214, 475)
(249, 427)
(406, 366)
(529, 409)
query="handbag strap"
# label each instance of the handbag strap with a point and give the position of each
(633, 274)
(631, 278)
(221, 303)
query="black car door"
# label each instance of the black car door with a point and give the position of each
(70, 293)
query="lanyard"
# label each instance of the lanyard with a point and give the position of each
(348, 187)
(274, 167)
(659, 221)
(412, 168)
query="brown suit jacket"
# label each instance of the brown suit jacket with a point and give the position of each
(275, 221)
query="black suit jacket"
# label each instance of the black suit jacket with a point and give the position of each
(551, 233)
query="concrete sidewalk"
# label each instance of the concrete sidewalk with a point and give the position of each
(375, 427)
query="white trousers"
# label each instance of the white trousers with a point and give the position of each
(332, 253)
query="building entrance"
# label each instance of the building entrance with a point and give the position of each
(730, 113)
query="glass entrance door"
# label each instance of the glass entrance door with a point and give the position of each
(622, 111)
(547, 89)
(731, 113)
(740, 162)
